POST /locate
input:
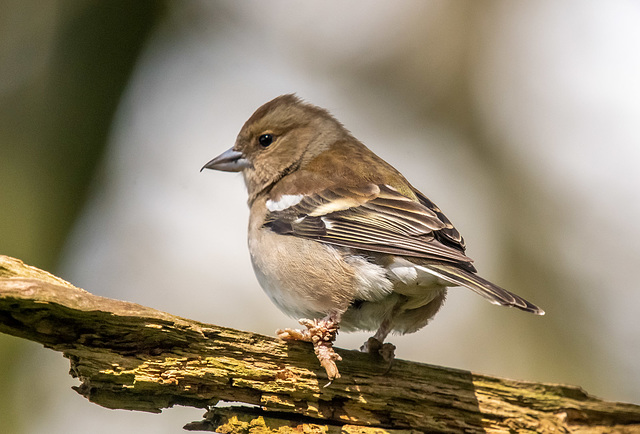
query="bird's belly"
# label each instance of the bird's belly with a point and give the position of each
(291, 301)
(407, 313)
(416, 297)
(303, 278)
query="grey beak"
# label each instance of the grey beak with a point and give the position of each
(228, 161)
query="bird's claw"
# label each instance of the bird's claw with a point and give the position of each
(321, 333)
(378, 349)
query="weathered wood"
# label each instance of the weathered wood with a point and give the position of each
(133, 357)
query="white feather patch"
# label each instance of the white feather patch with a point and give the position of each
(285, 201)
(408, 273)
(336, 205)
(371, 280)
(327, 223)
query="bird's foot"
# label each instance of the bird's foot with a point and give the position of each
(321, 333)
(294, 334)
(376, 348)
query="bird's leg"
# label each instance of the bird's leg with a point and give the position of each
(321, 333)
(375, 345)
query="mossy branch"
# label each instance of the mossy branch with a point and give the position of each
(133, 357)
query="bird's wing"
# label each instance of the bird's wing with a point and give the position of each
(374, 218)
(377, 218)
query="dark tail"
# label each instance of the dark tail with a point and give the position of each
(483, 287)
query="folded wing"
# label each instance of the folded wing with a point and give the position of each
(377, 218)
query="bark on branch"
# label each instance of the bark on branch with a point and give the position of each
(133, 357)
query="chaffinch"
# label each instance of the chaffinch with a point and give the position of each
(340, 238)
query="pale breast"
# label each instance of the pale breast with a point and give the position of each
(304, 278)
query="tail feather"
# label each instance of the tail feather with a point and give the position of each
(483, 287)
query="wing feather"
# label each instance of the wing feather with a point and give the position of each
(375, 218)
(492, 292)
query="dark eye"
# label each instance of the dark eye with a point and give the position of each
(265, 140)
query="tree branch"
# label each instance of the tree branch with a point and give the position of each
(133, 357)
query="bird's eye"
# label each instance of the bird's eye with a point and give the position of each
(265, 140)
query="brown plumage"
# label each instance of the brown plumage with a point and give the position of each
(339, 236)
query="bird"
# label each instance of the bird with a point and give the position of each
(339, 238)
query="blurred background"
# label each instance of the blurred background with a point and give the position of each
(519, 119)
